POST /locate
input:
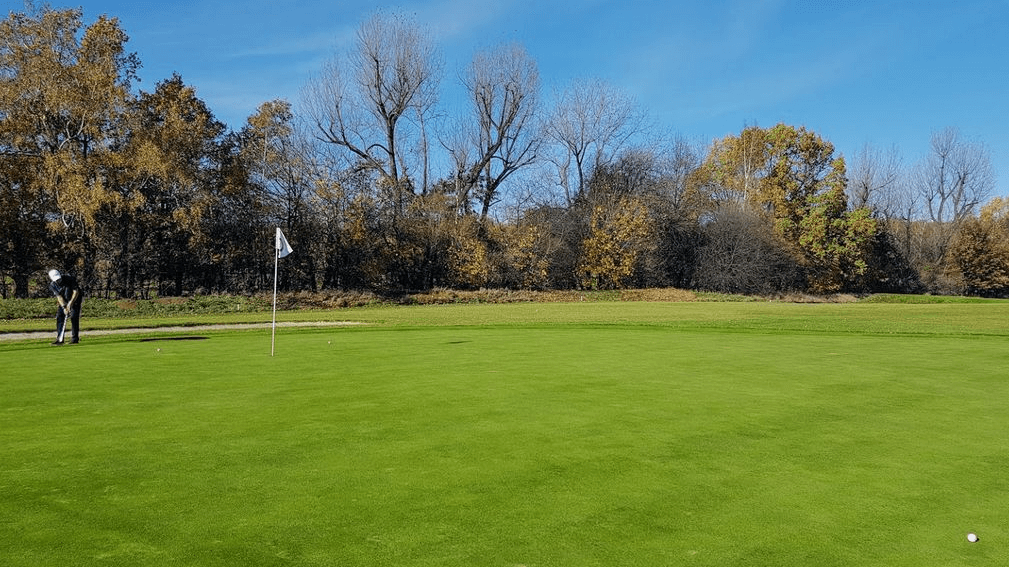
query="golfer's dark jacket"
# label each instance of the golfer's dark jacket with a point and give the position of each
(65, 288)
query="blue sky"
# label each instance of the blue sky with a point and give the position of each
(884, 72)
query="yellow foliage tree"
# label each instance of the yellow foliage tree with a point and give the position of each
(792, 175)
(60, 102)
(618, 235)
(468, 258)
(979, 255)
(522, 261)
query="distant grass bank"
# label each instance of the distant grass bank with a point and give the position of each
(29, 314)
(235, 308)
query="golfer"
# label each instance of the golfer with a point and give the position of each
(68, 294)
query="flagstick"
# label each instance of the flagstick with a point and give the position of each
(281, 249)
(276, 261)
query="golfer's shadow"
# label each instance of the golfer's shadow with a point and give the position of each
(186, 338)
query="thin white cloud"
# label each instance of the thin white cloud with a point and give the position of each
(318, 42)
(450, 19)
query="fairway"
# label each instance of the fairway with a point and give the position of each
(534, 435)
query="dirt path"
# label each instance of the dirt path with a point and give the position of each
(170, 330)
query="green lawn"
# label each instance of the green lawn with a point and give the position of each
(531, 434)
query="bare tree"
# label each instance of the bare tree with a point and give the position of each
(503, 86)
(954, 178)
(458, 140)
(951, 182)
(742, 254)
(875, 181)
(678, 162)
(391, 74)
(878, 180)
(590, 123)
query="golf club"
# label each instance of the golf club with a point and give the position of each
(62, 327)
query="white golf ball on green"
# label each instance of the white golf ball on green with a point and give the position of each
(972, 537)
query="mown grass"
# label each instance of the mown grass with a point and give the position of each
(527, 434)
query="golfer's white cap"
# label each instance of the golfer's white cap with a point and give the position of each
(54, 275)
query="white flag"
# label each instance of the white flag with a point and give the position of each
(283, 248)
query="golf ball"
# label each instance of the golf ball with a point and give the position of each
(972, 538)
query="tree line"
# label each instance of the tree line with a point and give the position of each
(379, 187)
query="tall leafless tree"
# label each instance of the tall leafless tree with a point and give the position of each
(875, 180)
(590, 124)
(677, 162)
(503, 85)
(364, 104)
(954, 178)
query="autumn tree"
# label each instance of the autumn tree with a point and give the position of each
(559, 232)
(177, 157)
(22, 225)
(672, 200)
(350, 230)
(877, 181)
(617, 237)
(792, 175)
(733, 170)
(287, 171)
(645, 178)
(62, 92)
(979, 253)
(835, 240)
(468, 261)
(619, 230)
(521, 260)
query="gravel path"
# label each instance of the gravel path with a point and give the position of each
(169, 330)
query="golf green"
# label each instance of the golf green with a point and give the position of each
(632, 442)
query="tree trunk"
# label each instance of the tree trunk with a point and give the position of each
(20, 285)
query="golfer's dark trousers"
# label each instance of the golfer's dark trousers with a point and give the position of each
(75, 321)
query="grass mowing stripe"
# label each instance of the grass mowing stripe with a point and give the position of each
(557, 444)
